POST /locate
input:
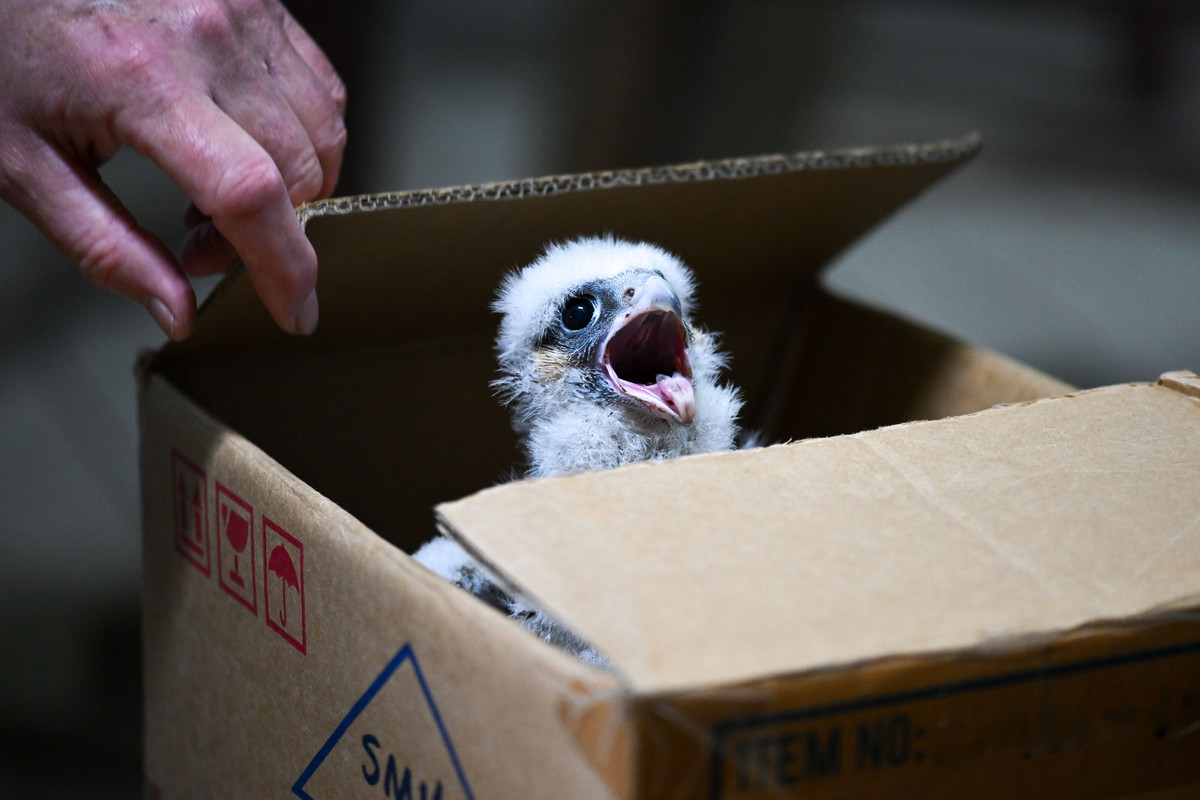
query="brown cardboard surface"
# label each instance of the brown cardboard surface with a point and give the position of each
(398, 371)
(405, 414)
(271, 687)
(425, 264)
(998, 581)
(849, 368)
(402, 415)
(969, 532)
(1105, 711)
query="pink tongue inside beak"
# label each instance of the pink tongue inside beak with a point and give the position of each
(645, 355)
(678, 395)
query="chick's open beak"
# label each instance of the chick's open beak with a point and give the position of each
(645, 356)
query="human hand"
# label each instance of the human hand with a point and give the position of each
(230, 98)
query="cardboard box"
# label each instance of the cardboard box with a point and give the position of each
(998, 601)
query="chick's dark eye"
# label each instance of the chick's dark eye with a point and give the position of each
(578, 312)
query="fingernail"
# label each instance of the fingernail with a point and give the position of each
(162, 315)
(306, 319)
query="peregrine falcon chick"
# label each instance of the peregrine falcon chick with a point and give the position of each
(601, 363)
(601, 366)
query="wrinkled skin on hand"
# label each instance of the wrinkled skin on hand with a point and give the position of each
(230, 98)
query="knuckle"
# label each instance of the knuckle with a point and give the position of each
(333, 142)
(306, 179)
(101, 260)
(129, 59)
(213, 22)
(19, 173)
(246, 188)
(132, 74)
(337, 93)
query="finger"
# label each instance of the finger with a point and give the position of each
(329, 133)
(234, 181)
(315, 57)
(192, 217)
(206, 252)
(308, 83)
(321, 119)
(256, 101)
(84, 219)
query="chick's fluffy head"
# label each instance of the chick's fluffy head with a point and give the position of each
(529, 299)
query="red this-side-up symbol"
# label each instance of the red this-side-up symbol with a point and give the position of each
(190, 505)
(284, 584)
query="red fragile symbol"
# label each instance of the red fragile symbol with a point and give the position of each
(237, 531)
(282, 565)
(236, 550)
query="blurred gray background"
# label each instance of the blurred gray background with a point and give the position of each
(1071, 243)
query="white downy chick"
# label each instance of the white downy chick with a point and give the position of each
(601, 366)
(601, 363)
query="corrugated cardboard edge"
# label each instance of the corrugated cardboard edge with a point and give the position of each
(1182, 381)
(232, 319)
(725, 169)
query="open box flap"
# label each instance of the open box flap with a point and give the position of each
(960, 533)
(425, 264)
(378, 408)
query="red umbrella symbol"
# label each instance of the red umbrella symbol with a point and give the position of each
(282, 565)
